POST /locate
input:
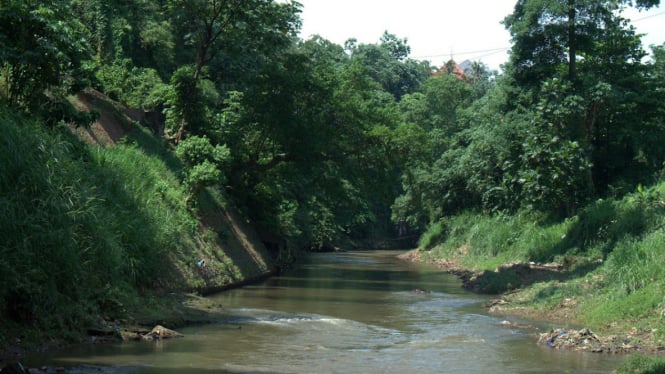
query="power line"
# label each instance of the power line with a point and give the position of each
(647, 17)
(490, 51)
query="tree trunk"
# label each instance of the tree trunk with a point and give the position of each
(572, 41)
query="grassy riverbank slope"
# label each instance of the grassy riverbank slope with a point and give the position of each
(601, 269)
(100, 229)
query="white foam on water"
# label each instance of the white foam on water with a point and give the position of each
(305, 320)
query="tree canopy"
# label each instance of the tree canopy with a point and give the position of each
(322, 144)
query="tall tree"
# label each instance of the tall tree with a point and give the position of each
(208, 27)
(41, 47)
(205, 22)
(547, 33)
(593, 53)
(389, 65)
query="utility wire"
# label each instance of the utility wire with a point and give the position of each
(493, 50)
(489, 52)
(647, 17)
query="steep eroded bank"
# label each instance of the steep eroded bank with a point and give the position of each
(100, 233)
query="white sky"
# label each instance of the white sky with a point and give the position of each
(435, 29)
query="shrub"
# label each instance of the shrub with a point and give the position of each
(133, 86)
(204, 162)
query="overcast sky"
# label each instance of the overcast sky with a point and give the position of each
(437, 29)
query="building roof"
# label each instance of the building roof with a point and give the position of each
(452, 68)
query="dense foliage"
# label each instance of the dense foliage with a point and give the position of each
(81, 226)
(323, 145)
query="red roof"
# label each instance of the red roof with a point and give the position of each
(451, 67)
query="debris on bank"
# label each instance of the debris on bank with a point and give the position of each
(577, 340)
(161, 332)
(586, 340)
(132, 333)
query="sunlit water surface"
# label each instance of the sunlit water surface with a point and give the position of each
(353, 312)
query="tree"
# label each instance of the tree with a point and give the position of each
(209, 27)
(446, 96)
(553, 172)
(588, 44)
(134, 30)
(548, 33)
(205, 23)
(308, 158)
(40, 48)
(389, 65)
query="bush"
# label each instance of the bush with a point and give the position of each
(133, 86)
(204, 162)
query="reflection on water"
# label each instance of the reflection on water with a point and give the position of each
(350, 312)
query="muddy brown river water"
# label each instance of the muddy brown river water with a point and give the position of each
(352, 312)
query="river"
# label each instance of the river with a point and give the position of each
(351, 312)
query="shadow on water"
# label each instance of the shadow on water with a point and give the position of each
(191, 369)
(388, 275)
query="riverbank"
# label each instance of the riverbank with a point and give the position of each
(98, 232)
(172, 310)
(517, 301)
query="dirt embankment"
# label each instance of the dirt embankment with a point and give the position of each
(524, 274)
(228, 252)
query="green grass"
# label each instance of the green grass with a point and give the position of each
(613, 252)
(643, 307)
(81, 225)
(89, 231)
(637, 364)
(637, 262)
(434, 234)
(485, 242)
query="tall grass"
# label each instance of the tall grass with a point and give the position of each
(637, 263)
(41, 209)
(435, 234)
(595, 232)
(81, 226)
(483, 241)
(614, 251)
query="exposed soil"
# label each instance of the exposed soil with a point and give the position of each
(112, 123)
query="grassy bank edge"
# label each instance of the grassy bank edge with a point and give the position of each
(601, 269)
